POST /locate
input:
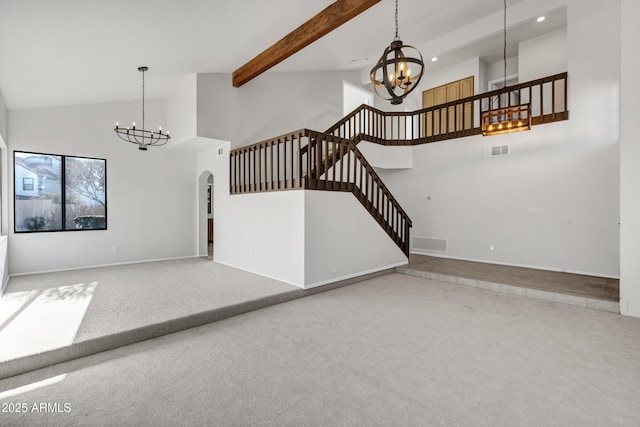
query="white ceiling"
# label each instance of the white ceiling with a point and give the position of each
(64, 52)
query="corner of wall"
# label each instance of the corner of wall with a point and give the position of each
(4, 119)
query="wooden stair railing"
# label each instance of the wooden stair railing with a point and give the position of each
(330, 160)
(312, 160)
(455, 119)
(271, 165)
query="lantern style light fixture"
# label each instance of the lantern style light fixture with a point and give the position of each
(510, 118)
(143, 138)
(393, 70)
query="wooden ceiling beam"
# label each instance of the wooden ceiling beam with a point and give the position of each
(324, 22)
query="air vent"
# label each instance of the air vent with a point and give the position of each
(429, 244)
(496, 150)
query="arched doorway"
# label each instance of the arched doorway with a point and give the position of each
(206, 236)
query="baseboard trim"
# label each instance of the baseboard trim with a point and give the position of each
(288, 282)
(350, 276)
(102, 265)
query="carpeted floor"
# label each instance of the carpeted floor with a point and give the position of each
(390, 351)
(552, 281)
(56, 310)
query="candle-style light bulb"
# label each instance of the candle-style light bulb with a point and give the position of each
(117, 124)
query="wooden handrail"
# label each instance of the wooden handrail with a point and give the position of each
(452, 119)
(313, 160)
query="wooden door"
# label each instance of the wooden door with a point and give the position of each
(466, 90)
(439, 98)
(428, 100)
(451, 119)
(454, 113)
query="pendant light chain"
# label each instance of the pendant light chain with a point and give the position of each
(504, 53)
(397, 38)
(143, 99)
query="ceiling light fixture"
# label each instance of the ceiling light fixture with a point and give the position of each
(540, 19)
(143, 138)
(393, 70)
(434, 59)
(510, 118)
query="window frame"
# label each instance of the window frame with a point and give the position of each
(63, 193)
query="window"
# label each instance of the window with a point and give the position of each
(27, 184)
(58, 193)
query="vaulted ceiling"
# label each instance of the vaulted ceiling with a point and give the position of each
(62, 52)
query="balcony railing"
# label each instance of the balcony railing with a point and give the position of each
(455, 119)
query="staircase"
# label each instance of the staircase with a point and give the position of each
(330, 160)
(312, 160)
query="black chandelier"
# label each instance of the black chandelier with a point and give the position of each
(393, 70)
(143, 138)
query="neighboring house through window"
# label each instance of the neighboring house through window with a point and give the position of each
(58, 193)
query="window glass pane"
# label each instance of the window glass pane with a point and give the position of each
(38, 205)
(85, 193)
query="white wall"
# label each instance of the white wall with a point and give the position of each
(182, 109)
(569, 169)
(342, 239)
(151, 196)
(387, 157)
(354, 96)
(495, 71)
(543, 56)
(304, 238)
(4, 188)
(262, 233)
(540, 57)
(630, 163)
(271, 105)
(3, 119)
(4, 203)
